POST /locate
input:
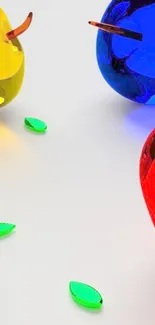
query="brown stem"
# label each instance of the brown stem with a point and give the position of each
(21, 29)
(117, 30)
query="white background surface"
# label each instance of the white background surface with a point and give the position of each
(73, 193)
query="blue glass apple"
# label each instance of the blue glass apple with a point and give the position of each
(128, 63)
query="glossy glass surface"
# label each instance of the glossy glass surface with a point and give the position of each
(128, 65)
(35, 125)
(6, 229)
(85, 295)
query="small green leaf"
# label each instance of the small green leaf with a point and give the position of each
(6, 229)
(35, 125)
(85, 295)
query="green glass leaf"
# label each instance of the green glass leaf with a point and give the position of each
(35, 125)
(6, 229)
(85, 295)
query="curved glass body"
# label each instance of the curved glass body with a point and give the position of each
(147, 174)
(12, 60)
(128, 65)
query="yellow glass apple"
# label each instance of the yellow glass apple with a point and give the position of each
(11, 59)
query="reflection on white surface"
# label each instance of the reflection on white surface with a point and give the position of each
(141, 119)
(8, 138)
(74, 193)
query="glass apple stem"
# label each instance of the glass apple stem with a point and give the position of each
(117, 30)
(21, 29)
